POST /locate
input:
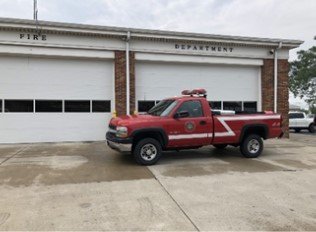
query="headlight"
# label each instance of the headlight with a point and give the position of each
(121, 131)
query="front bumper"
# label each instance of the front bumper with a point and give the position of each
(123, 145)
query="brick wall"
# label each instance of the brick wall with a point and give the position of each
(267, 82)
(120, 82)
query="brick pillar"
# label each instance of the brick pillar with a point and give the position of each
(120, 82)
(283, 94)
(132, 82)
(267, 83)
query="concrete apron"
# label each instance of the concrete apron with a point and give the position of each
(86, 186)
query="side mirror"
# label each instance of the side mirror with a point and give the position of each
(182, 114)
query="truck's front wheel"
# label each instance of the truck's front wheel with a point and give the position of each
(252, 146)
(147, 151)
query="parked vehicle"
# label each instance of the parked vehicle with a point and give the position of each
(299, 121)
(312, 116)
(188, 122)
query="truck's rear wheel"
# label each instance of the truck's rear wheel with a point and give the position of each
(252, 146)
(311, 128)
(147, 151)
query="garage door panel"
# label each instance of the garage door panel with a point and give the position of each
(60, 80)
(20, 128)
(155, 81)
(47, 78)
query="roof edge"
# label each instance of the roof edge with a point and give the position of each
(159, 34)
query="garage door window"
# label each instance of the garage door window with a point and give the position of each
(48, 106)
(0, 106)
(232, 106)
(250, 106)
(145, 106)
(215, 105)
(77, 106)
(19, 106)
(101, 106)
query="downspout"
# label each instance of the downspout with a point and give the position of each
(276, 77)
(128, 37)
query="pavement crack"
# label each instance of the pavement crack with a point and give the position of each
(4, 217)
(15, 154)
(179, 206)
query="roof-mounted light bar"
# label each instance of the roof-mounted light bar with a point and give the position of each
(195, 92)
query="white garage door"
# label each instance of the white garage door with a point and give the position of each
(228, 86)
(50, 100)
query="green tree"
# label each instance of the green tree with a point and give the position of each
(302, 82)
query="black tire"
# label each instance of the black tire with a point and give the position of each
(251, 146)
(220, 146)
(311, 128)
(147, 151)
(297, 130)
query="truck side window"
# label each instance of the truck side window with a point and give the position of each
(194, 107)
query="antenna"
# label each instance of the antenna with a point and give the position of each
(35, 10)
(38, 29)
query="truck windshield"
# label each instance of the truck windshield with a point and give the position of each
(163, 108)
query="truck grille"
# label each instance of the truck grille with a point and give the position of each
(112, 129)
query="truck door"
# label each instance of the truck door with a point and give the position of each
(189, 126)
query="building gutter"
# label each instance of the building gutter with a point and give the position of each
(276, 76)
(128, 37)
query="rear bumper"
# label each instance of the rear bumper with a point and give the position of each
(281, 135)
(123, 145)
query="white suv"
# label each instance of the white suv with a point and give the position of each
(298, 121)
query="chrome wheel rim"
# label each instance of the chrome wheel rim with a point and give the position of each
(253, 146)
(148, 152)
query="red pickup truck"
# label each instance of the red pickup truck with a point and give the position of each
(187, 122)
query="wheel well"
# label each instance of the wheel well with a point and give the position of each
(148, 134)
(260, 130)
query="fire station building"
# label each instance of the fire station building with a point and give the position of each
(62, 82)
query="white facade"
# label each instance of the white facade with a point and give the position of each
(57, 80)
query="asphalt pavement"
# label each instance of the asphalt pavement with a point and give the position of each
(87, 186)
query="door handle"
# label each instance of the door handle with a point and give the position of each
(203, 122)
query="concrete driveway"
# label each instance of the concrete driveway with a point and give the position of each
(86, 186)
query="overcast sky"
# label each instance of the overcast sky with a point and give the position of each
(283, 19)
(287, 19)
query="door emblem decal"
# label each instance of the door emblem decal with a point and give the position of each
(190, 126)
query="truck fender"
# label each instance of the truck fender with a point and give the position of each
(259, 129)
(156, 133)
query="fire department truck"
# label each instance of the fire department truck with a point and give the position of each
(188, 122)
